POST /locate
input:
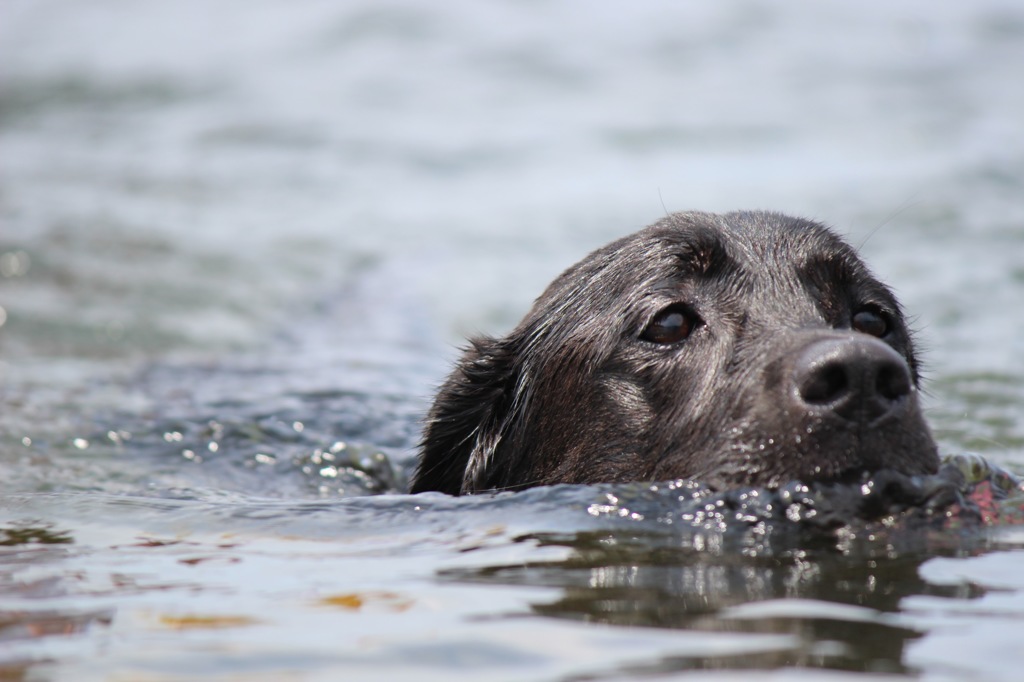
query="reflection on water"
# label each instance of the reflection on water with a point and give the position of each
(631, 580)
(153, 570)
(837, 597)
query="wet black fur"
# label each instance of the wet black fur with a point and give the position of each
(574, 395)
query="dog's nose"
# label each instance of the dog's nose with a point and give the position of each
(857, 377)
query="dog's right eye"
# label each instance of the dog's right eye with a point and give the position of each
(671, 325)
(871, 321)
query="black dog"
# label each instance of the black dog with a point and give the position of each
(738, 349)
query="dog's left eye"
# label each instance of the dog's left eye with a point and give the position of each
(671, 325)
(870, 321)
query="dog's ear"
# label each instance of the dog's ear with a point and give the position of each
(468, 419)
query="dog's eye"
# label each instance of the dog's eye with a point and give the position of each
(671, 325)
(870, 321)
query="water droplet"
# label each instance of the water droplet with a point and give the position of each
(213, 446)
(298, 426)
(264, 459)
(80, 443)
(26, 441)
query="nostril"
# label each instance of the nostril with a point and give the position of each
(825, 384)
(892, 381)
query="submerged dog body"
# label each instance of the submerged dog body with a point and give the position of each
(738, 349)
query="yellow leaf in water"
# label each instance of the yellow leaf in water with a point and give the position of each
(345, 601)
(194, 622)
(353, 601)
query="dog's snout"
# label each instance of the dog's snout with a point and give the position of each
(857, 378)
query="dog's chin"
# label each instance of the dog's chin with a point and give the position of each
(725, 481)
(833, 465)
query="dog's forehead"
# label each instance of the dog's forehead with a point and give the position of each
(745, 251)
(751, 243)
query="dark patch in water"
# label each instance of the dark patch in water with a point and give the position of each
(29, 533)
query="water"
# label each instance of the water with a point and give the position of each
(239, 243)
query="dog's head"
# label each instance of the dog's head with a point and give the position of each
(747, 348)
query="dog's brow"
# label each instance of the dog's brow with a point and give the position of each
(828, 273)
(703, 254)
(833, 277)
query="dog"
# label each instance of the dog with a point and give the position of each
(742, 349)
